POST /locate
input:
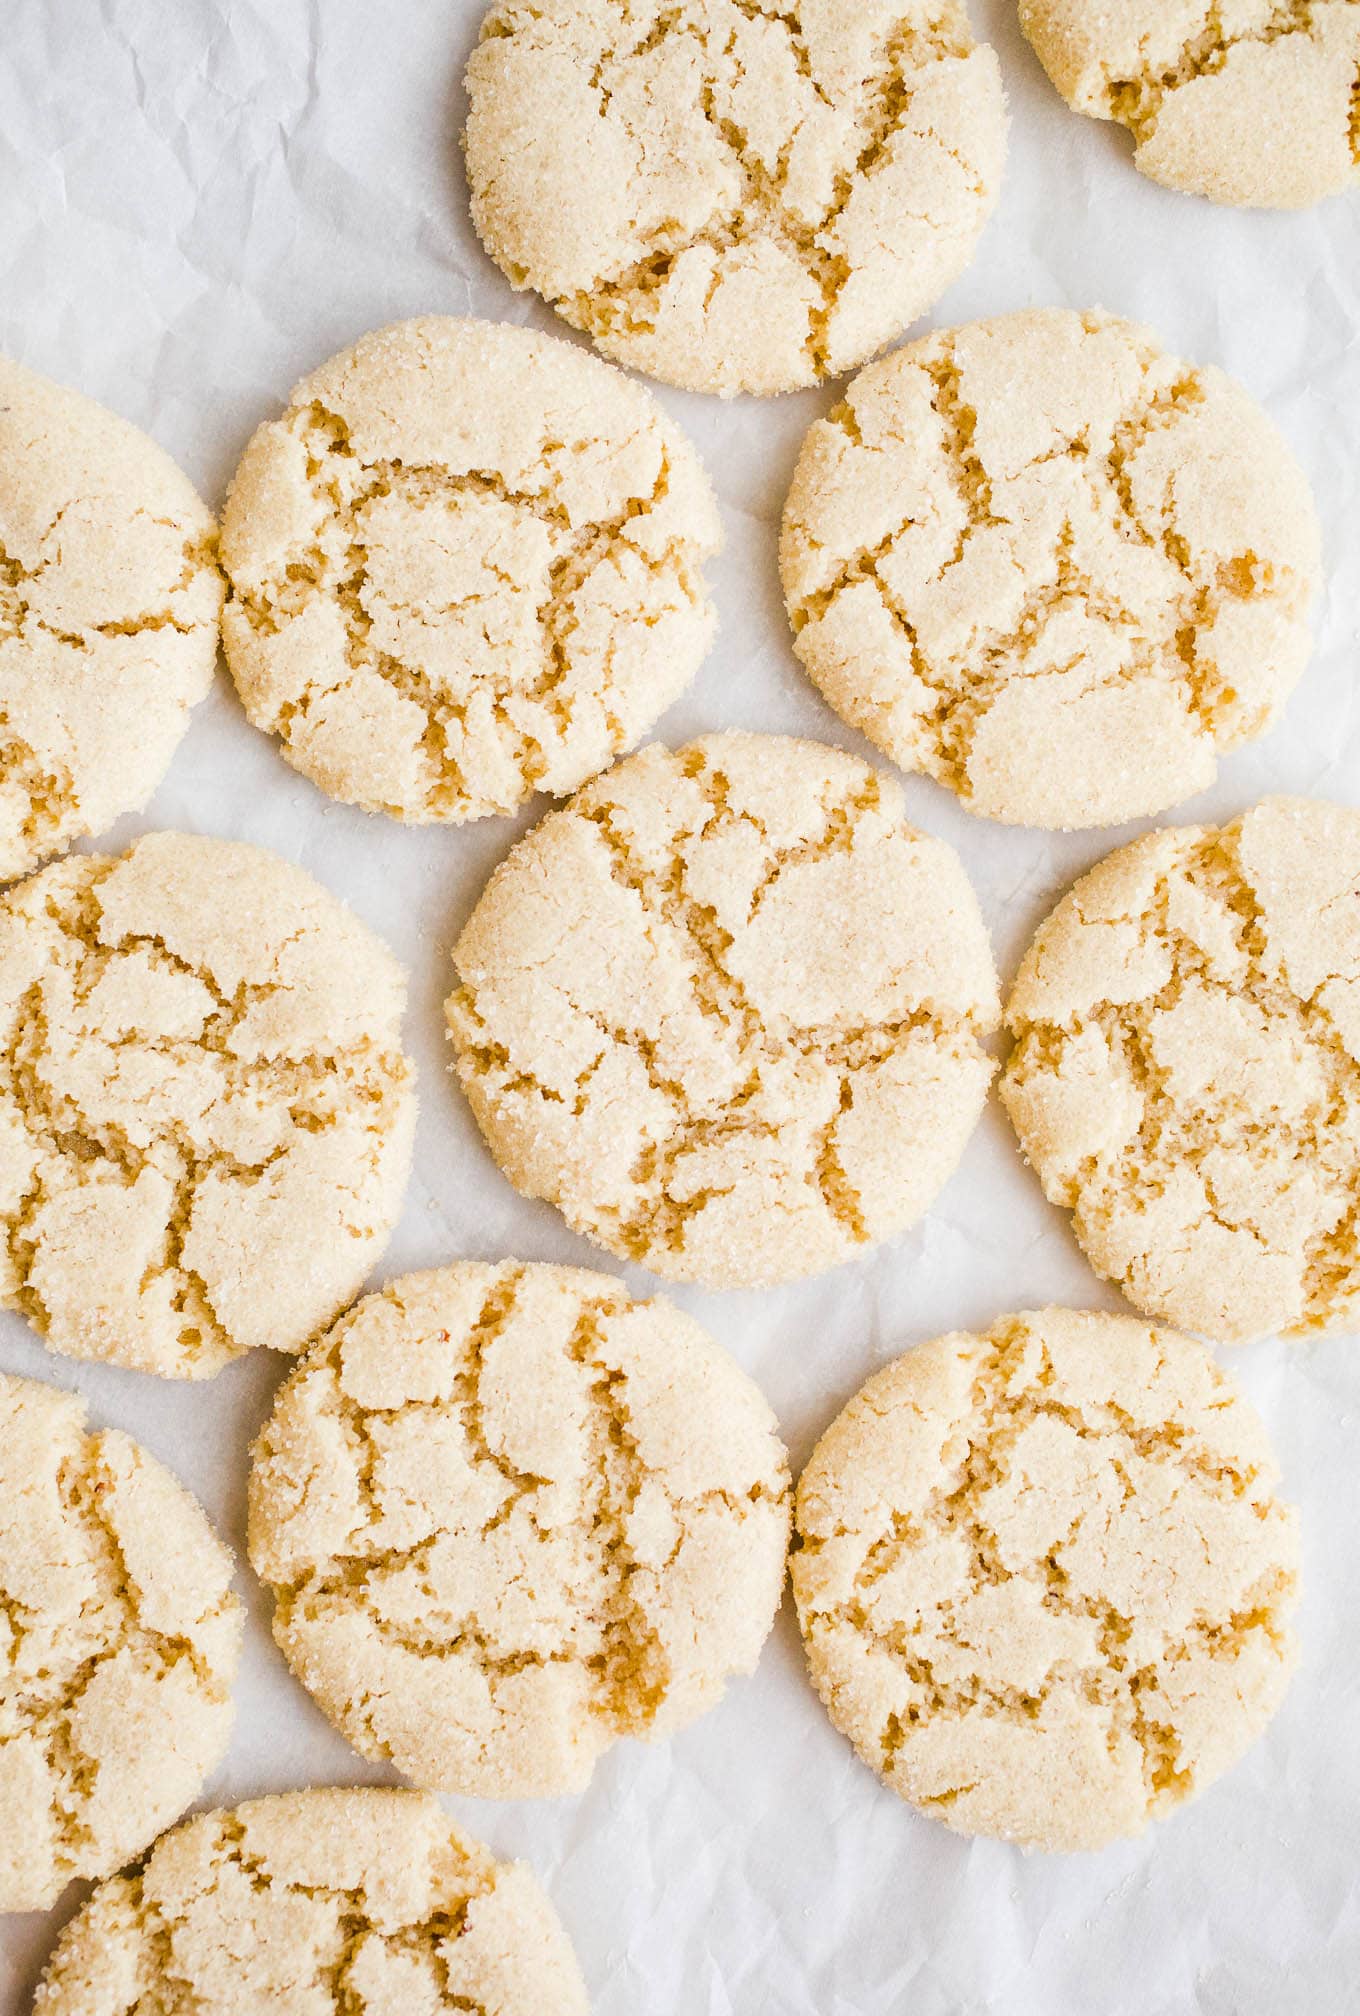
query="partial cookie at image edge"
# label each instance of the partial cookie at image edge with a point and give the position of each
(333, 1894)
(206, 1113)
(109, 603)
(1262, 118)
(122, 1638)
(1185, 1075)
(732, 199)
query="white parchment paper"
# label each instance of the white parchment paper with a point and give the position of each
(200, 200)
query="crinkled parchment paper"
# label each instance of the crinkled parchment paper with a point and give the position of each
(201, 199)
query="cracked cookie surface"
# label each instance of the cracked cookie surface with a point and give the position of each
(466, 566)
(109, 600)
(511, 1515)
(1186, 1070)
(1043, 1579)
(726, 1010)
(320, 1903)
(1253, 102)
(1052, 568)
(205, 1113)
(734, 195)
(119, 1637)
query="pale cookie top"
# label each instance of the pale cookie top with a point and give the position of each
(466, 566)
(726, 1010)
(511, 1515)
(1044, 1582)
(1244, 101)
(734, 195)
(1186, 1072)
(109, 599)
(119, 1637)
(205, 1113)
(320, 1903)
(1051, 567)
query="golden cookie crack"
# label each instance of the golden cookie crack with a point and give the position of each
(701, 1046)
(428, 1937)
(42, 1704)
(530, 713)
(16, 612)
(1170, 1137)
(1136, 101)
(998, 1419)
(598, 1619)
(74, 1146)
(626, 302)
(1167, 646)
(44, 794)
(661, 1216)
(42, 790)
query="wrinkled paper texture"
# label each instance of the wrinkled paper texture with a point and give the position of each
(199, 201)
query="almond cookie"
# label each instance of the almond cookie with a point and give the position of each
(511, 1515)
(726, 1010)
(317, 1903)
(466, 566)
(1252, 102)
(1050, 567)
(205, 1113)
(734, 195)
(1043, 1579)
(1186, 1070)
(109, 600)
(120, 1640)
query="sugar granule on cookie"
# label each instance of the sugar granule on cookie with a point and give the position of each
(325, 1902)
(1053, 568)
(205, 1112)
(109, 600)
(466, 565)
(727, 1011)
(1186, 1070)
(1253, 103)
(1043, 1579)
(511, 1515)
(734, 195)
(120, 1637)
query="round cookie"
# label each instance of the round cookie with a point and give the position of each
(1186, 1071)
(1250, 103)
(119, 1637)
(734, 195)
(1052, 568)
(1043, 1579)
(109, 600)
(318, 1903)
(726, 1010)
(205, 1113)
(511, 1515)
(466, 566)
